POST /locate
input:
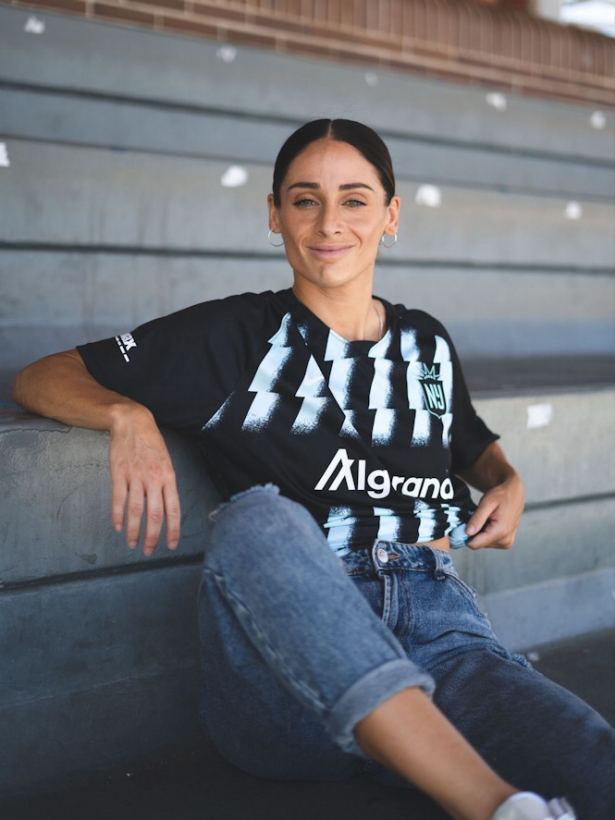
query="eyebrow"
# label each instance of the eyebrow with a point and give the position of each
(314, 186)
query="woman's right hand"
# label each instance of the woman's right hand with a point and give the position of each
(61, 387)
(143, 480)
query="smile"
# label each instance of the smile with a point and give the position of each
(329, 251)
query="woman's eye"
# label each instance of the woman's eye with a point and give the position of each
(355, 203)
(304, 203)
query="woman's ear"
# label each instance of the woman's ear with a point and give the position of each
(274, 220)
(393, 207)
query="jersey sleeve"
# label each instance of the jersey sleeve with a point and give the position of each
(181, 366)
(470, 436)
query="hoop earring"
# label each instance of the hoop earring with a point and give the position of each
(274, 244)
(384, 244)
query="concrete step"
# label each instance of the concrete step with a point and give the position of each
(78, 56)
(98, 197)
(132, 125)
(55, 298)
(198, 783)
(114, 211)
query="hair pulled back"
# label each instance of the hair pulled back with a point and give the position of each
(362, 137)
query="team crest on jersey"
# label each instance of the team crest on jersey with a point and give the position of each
(433, 389)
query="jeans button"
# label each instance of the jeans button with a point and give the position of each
(383, 555)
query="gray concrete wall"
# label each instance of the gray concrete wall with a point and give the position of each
(118, 140)
(98, 646)
(559, 579)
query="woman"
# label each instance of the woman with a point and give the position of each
(337, 637)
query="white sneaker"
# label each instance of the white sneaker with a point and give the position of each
(529, 806)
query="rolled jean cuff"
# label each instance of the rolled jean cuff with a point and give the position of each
(369, 692)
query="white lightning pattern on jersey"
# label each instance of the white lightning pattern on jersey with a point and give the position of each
(381, 389)
(337, 348)
(388, 528)
(443, 358)
(261, 410)
(309, 415)
(348, 429)
(269, 370)
(313, 382)
(379, 397)
(409, 346)
(339, 380)
(340, 524)
(266, 399)
(313, 388)
(427, 517)
(421, 432)
(384, 425)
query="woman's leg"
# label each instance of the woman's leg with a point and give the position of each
(534, 733)
(293, 656)
(277, 615)
(408, 734)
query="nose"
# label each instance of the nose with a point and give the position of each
(329, 221)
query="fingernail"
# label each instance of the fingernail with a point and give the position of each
(117, 527)
(132, 544)
(172, 545)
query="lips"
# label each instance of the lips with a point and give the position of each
(329, 251)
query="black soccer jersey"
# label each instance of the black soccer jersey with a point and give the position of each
(367, 435)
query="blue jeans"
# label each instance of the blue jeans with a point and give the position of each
(299, 645)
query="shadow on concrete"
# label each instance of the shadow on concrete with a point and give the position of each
(201, 786)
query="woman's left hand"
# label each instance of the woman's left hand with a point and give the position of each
(496, 519)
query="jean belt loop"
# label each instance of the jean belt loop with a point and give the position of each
(439, 574)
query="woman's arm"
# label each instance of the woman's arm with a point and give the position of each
(497, 517)
(142, 474)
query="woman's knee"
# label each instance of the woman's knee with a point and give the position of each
(262, 522)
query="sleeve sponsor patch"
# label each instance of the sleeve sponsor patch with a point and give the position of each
(125, 342)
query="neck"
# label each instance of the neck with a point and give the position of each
(352, 315)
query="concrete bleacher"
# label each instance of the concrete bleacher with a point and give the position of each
(118, 140)
(113, 212)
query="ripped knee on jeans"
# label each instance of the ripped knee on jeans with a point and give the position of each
(270, 489)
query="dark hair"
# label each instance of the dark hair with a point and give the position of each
(360, 136)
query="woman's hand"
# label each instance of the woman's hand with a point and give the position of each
(496, 519)
(143, 480)
(142, 475)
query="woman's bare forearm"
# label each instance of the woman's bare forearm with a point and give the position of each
(61, 387)
(490, 469)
